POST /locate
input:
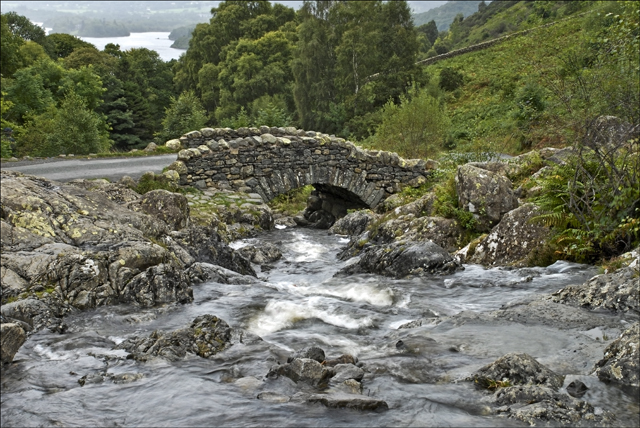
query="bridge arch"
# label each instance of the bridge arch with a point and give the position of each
(272, 161)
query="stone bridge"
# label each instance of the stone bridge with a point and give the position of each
(272, 161)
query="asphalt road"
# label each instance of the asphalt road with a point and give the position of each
(111, 168)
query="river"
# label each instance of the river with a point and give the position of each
(300, 303)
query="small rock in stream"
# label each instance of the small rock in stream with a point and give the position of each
(349, 401)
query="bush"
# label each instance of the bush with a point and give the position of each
(72, 128)
(450, 79)
(414, 128)
(183, 115)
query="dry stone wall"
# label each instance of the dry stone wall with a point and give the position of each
(271, 161)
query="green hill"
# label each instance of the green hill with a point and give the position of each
(443, 15)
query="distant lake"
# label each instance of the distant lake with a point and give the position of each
(156, 41)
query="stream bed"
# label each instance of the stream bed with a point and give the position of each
(418, 371)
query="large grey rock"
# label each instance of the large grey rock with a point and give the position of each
(402, 259)
(353, 224)
(302, 370)
(513, 241)
(621, 362)
(12, 336)
(618, 291)
(264, 254)
(312, 352)
(486, 194)
(171, 208)
(206, 336)
(534, 404)
(349, 401)
(519, 369)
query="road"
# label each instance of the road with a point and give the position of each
(110, 168)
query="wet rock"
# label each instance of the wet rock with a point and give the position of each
(206, 336)
(621, 362)
(349, 386)
(442, 231)
(312, 352)
(577, 389)
(618, 291)
(345, 372)
(342, 359)
(535, 404)
(12, 336)
(518, 369)
(273, 397)
(200, 272)
(349, 401)
(400, 259)
(264, 254)
(205, 245)
(303, 370)
(486, 194)
(513, 241)
(171, 208)
(123, 378)
(353, 224)
(91, 379)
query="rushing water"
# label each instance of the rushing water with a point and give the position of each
(299, 304)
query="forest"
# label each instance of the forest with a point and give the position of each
(343, 68)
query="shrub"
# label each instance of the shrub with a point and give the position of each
(450, 79)
(185, 114)
(414, 128)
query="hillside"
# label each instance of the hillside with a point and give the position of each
(443, 15)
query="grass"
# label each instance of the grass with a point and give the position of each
(292, 202)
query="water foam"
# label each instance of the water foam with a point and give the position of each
(279, 315)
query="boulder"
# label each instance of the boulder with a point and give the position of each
(514, 240)
(488, 195)
(151, 147)
(264, 254)
(171, 208)
(313, 352)
(621, 362)
(173, 144)
(12, 336)
(618, 291)
(353, 224)
(349, 401)
(401, 259)
(518, 369)
(534, 404)
(302, 370)
(345, 372)
(206, 336)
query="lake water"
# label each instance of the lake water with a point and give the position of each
(157, 41)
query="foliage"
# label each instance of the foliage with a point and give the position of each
(446, 203)
(150, 182)
(71, 128)
(450, 79)
(183, 115)
(415, 127)
(341, 44)
(292, 202)
(63, 45)
(7, 142)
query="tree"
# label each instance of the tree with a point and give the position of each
(72, 128)
(10, 44)
(183, 115)
(430, 33)
(22, 27)
(415, 127)
(62, 45)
